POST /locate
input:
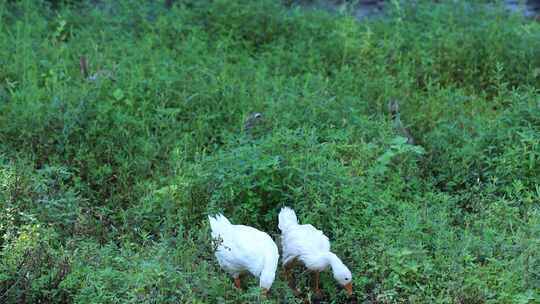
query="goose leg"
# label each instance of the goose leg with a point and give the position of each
(289, 277)
(288, 274)
(316, 279)
(237, 282)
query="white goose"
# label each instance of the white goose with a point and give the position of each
(242, 249)
(310, 246)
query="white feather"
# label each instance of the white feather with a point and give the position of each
(244, 249)
(287, 218)
(309, 245)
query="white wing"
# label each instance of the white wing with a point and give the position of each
(304, 242)
(243, 248)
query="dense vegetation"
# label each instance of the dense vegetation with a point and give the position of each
(106, 179)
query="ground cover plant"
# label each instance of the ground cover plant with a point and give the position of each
(124, 124)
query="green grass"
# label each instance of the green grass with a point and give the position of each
(105, 184)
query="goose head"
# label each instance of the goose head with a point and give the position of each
(267, 279)
(341, 273)
(268, 271)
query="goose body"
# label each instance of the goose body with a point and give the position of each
(310, 246)
(241, 249)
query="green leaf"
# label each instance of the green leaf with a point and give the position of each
(118, 94)
(398, 141)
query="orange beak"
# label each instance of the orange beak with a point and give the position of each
(348, 286)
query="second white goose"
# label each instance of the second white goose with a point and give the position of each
(310, 246)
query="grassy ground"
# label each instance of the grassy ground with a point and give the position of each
(106, 178)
